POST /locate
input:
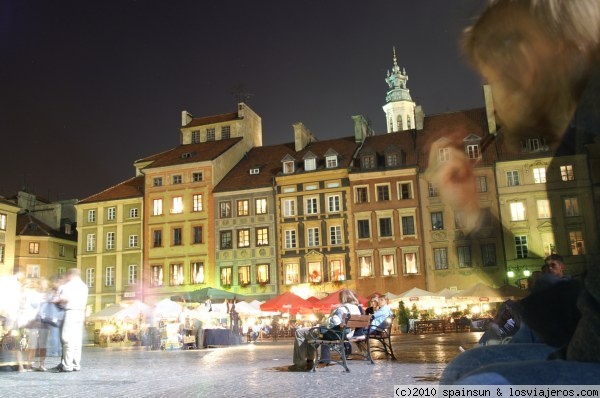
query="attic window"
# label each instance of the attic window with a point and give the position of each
(254, 170)
(187, 155)
(288, 167)
(310, 164)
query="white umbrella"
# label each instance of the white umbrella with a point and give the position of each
(423, 299)
(133, 311)
(167, 309)
(107, 313)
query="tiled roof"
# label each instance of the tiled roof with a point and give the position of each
(28, 225)
(8, 202)
(401, 140)
(131, 188)
(454, 126)
(267, 159)
(202, 121)
(345, 147)
(192, 153)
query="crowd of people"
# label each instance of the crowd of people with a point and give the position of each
(44, 316)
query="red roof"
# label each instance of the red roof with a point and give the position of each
(131, 188)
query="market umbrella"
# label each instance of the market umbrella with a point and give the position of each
(286, 302)
(313, 299)
(512, 292)
(107, 313)
(211, 293)
(133, 311)
(167, 309)
(332, 301)
(423, 299)
(479, 293)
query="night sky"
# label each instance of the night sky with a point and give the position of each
(87, 87)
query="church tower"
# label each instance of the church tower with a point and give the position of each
(399, 108)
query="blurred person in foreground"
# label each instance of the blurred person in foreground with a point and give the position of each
(72, 296)
(541, 59)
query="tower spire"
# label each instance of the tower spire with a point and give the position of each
(399, 106)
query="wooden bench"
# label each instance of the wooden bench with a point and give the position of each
(334, 338)
(382, 334)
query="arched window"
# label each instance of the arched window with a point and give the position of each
(400, 123)
(408, 123)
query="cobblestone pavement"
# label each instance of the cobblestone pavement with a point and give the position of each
(248, 370)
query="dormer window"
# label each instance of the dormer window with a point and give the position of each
(472, 146)
(393, 156)
(310, 161)
(331, 159)
(473, 151)
(254, 170)
(289, 164)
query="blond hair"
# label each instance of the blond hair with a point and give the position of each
(347, 297)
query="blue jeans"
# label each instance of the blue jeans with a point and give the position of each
(517, 364)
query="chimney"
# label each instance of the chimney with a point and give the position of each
(186, 118)
(361, 128)
(419, 117)
(302, 136)
(489, 108)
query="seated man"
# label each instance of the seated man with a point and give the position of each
(303, 352)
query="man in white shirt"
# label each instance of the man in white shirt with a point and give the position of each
(72, 296)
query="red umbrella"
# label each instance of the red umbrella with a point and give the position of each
(313, 299)
(286, 302)
(332, 301)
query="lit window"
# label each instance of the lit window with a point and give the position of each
(577, 243)
(410, 263)
(2, 222)
(310, 164)
(292, 274)
(566, 173)
(197, 202)
(197, 273)
(388, 264)
(263, 274)
(157, 208)
(262, 236)
(244, 275)
(177, 205)
(243, 238)
(315, 273)
(288, 167)
(366, 266)
(243, 207)
(156, 277)
(33, 271)
(543, 208)
(177, 277)
(539, 175)
(261, 206)
(34, 248)
(226, 276)
(337, 271)
(517, 211)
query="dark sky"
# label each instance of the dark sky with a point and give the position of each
(87, 87)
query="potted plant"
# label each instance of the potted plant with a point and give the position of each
(403, 317)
